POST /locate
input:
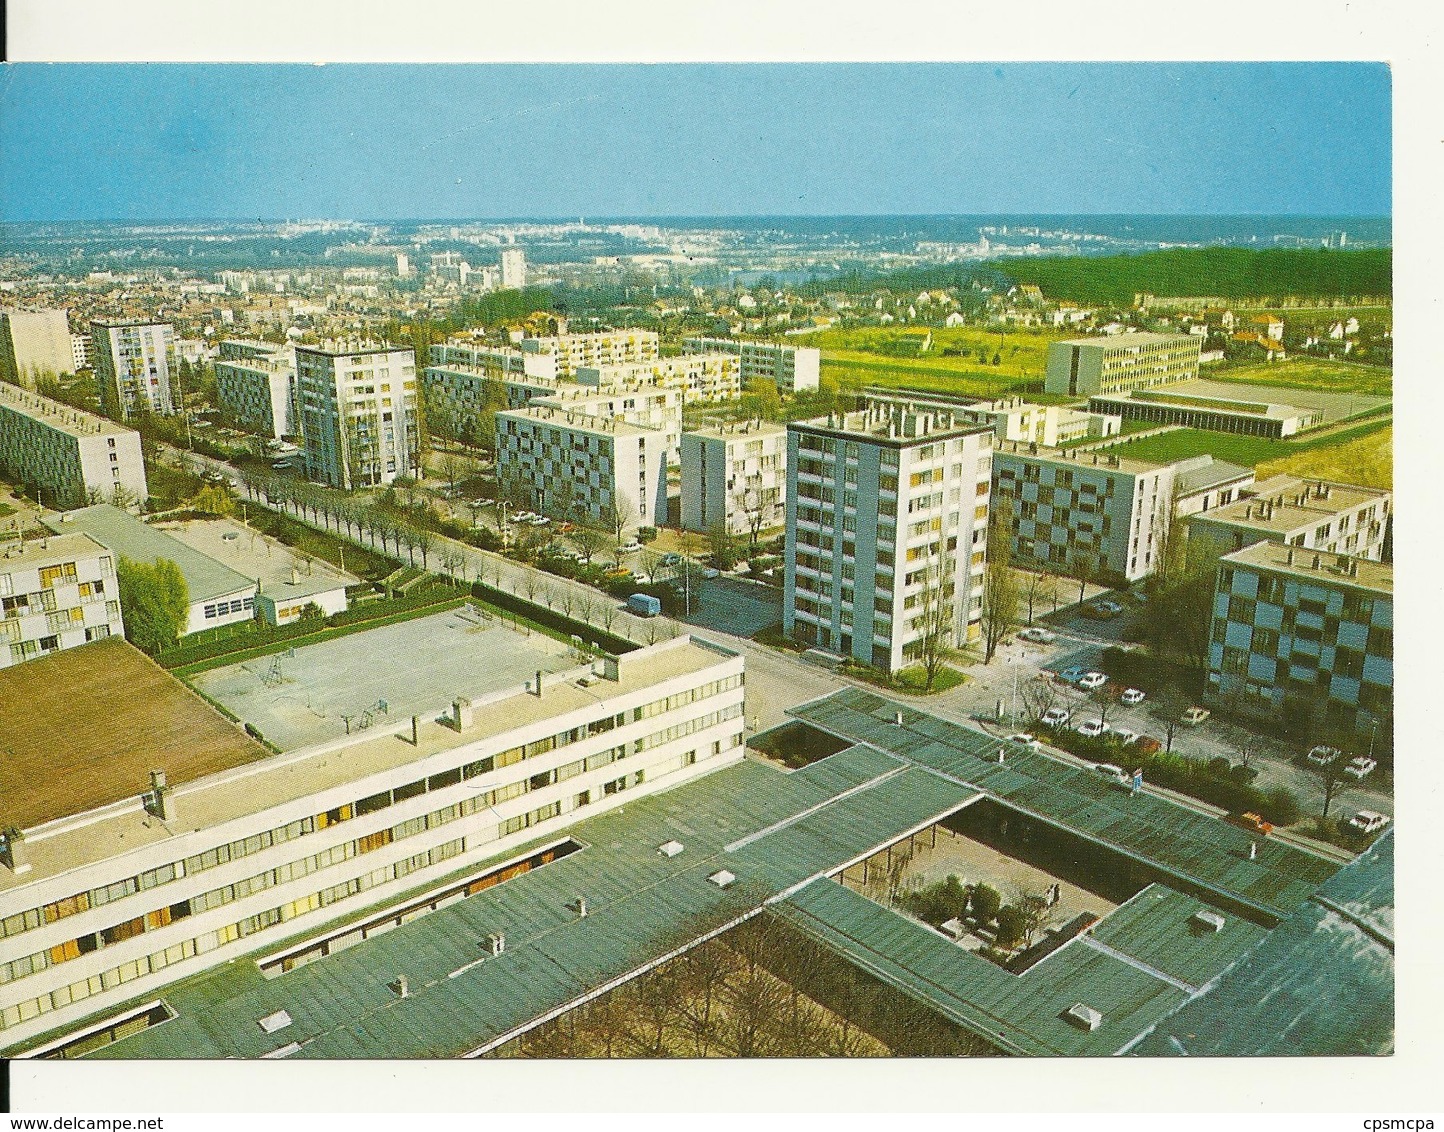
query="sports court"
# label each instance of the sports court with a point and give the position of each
(383, 676)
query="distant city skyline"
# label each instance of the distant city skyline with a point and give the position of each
(240, 141)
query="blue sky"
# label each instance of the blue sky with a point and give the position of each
(265, 141)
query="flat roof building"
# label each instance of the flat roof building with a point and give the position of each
(34, 344)
(792, 369)
(256, 387)
(595, 348)
(1012, 418)
(358, 412)
(699, 377)
(599, 471)
(217, 594)
(1310, 514)
(55, 593)
(186, 855)
(134, 366)
(736, 476)
(1306, 638)
(1216, 414)
(72, 456)
(887, 518)
(1119, 362)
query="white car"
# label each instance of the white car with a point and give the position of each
(539, 521)
(1132, 696)
(1367, 821)
(1323, 756)
(523, 516)
(1026, 739)
(629, 547)
(1092, 680)
(1112, 773)
(1054, 717)
(1360, 767)
(1092, 728)
(1124, 735)
(1038, 636)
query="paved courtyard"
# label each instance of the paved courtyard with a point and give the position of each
(381, 675)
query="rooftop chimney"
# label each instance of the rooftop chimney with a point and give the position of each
(496, 943)
(461, 714)
(160, 802)
(401, 987)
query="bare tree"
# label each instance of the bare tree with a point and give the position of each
(1033, 590)
(1000, 584)
(588, 541)
(938, 619)
(1040, 696)
(621, 517)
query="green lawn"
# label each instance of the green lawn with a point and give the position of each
(960, 359)
(1311, 373)
(1245, 450)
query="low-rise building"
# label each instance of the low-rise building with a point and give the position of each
(1214, 413)
(599, 471)
(1310, 514)
(256, 387)
(134, 364)
(185, 845)
(736, 476)
(1118, 362)
(216, 594)
(55, 593)
(1306, 638)
(34, 344)
(887, 521)
(72, 456)
(792, 369)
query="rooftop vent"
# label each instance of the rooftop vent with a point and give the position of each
(579, 905)
(401, 988)
(284, 1051)
(496, 943)
(1209, 921)
(669, 848)
(273, 1022)
(1083, 1016)
(722, 878)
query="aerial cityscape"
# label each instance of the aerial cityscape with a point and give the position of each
(950, 618)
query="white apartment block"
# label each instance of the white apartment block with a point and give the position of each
(887, 524)
(596, 348)
(1011, 418)
(1312, 514)
(55, 593)
(255, 387)
(513, 268)
(1114, 363)
(133, 365)
(358, 413)
(322, 847)
(501, 361)
(646, 407)
(699, 377)
(791, 368)
(80, 352)
(582, 467)
(735, 475)
(72, 456)
(34, 344)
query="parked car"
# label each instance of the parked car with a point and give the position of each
(1368, 821)
(1102, 610)
(644, 605)
(1323, 756)
(523, 516)
(1360, 767)
(670, 559)
(1092, 680)
(1026, 739)
(1071, 675)
(1252, 822)
(1112, 773)
(1037, 635)
(1194, 716)
(1124, 735)
(1055, 717)
(629, 547)
(539, 521)
(1092, 728)
(1132, 696)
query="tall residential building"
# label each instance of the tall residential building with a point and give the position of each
(187, 845)
(256, 387)
(1097, 512)
(1111, 364)
(887, 521)
(596, 348)
(403, 266)
(358, 413)
(71, 455)
(55, 593)
(735, 475)
(1306, 638)
(80, 352)
(596, 470)
(513, 268)
(34, 344)
(133, 366)
(1337, 518)
(791, 368)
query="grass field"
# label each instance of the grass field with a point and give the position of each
(1311, 373)
(1253, 451)
(1366, 460)
(959, 361)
